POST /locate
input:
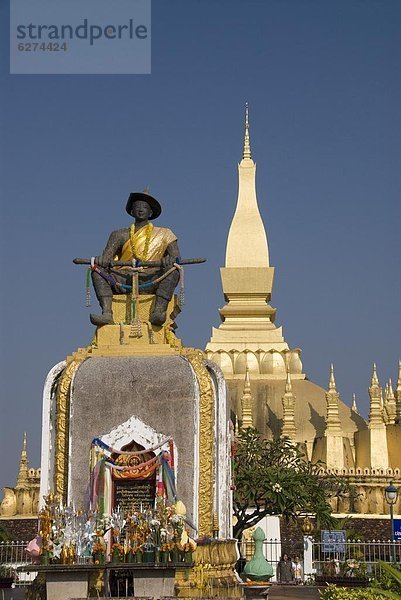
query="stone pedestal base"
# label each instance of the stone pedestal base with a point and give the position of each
(146, 339)
(64, 585)
(154, 583)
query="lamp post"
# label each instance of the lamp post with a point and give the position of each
(391, 495)
(307, 528)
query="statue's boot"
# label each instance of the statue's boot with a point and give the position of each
(106, 318)
(99, 320)
(158, 316)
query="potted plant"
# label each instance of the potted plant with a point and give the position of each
(187, 552)
(164, 553)
(117, 553)
(139, 555)
(174, 552)
(351, 574)
(99, 553)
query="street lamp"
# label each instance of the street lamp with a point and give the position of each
(391, 495)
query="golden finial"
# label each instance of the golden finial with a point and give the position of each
(288, 385)
(288, 401)
(247, 382)
(307, 526)
(390, 391)
(247, 143)
(354, 406)
(332, 381)
(375, 380)
(23, 465)
(399, 376)
(246, 402)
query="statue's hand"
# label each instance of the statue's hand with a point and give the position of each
(167, 262)
(99, 260)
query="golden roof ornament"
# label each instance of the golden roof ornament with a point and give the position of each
(375, 379)
(391, 405)
(288, 400)
(376, 418)
(22, 478)
(332, 381)
(246, 402)
(333, 423)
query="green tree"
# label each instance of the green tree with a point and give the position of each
(273, 477)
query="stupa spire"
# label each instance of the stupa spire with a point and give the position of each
(375, 380)
(247, 142)
(354, 406)
(376, 397)
(378, 449)
(391, 406)
(247, 241)
(246, 402)
(289, 429)
(288, 384)
(335, 453)
(333, 423)
(247, 281)
(23, 466)
(332, 381)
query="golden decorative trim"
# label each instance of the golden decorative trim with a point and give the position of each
(62, 428)
(206, 444)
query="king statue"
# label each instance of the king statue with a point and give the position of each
(144, 242)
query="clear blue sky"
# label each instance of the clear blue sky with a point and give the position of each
(323, 83)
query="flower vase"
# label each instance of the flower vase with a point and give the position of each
(188, 557)
(139, 556)
(44, 558)
(129, 557)
(148, 556)
(116, 557)
(99, 558)
(163, 557)
(175, 555)
(157, 555)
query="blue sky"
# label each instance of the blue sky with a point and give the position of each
(322, 80)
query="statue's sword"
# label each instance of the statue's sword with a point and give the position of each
(142, 263)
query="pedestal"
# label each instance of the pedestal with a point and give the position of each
(140, 387)
(64, 585)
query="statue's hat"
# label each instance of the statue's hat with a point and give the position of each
(145, 197)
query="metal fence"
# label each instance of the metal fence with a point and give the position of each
(351, 558)
(12, 556)
(356, 558)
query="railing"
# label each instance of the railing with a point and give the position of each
(354, 558)
(351, 558)
(12, 556)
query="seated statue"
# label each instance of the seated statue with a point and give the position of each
(145, 242)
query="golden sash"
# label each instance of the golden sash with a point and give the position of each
(148, 243)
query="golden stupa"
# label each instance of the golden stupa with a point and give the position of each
(268, 386)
